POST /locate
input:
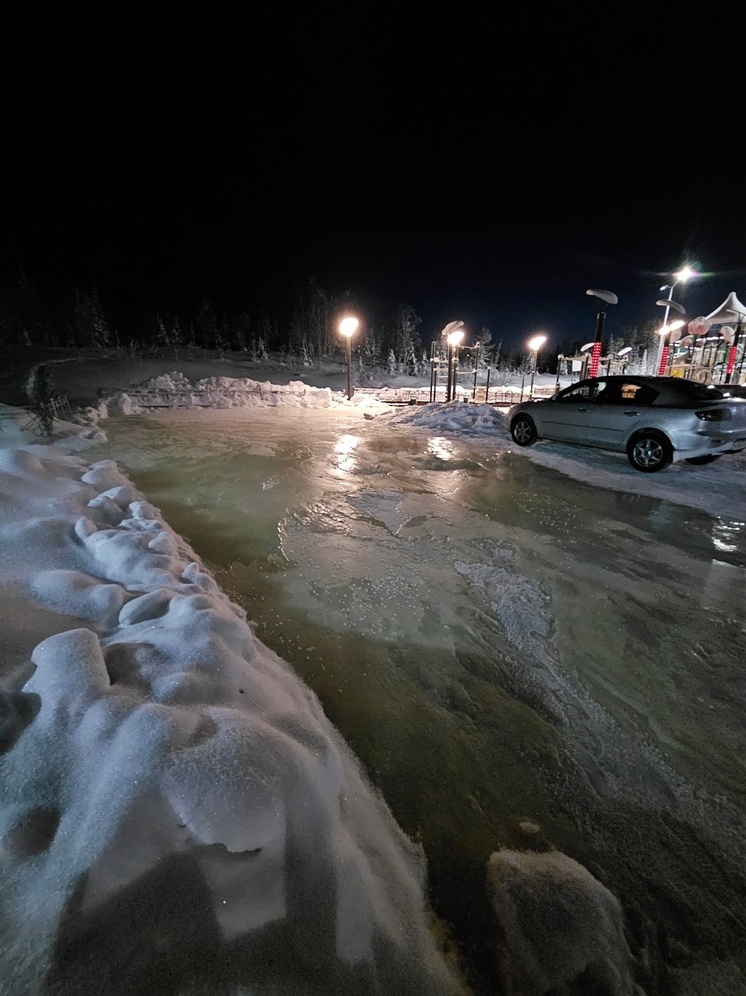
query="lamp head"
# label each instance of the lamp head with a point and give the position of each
(607, 297)
(348, 326)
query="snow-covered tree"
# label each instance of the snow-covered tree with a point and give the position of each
(405, 340)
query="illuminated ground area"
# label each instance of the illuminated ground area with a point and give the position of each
(520, 659)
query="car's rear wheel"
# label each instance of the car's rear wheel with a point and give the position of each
(707, 458)
(523, 430)
(649, 451)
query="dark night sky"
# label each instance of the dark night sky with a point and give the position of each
(472, 170)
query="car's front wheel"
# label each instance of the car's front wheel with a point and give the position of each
(707, 458)
(523, 430)
(649, 451)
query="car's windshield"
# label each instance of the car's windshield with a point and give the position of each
(585, 390)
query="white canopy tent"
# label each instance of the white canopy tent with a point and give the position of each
(731, 310)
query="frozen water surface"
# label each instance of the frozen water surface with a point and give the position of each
(503, 646)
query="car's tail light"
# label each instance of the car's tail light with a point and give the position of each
(714, 414)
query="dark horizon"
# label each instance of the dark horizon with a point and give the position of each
(166, 172)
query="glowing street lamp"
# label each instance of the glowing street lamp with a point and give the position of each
(664, 348)
(453, 339)
(684, 274)
(662, 360)
(348, 327)
(534, 344)
(604, 298)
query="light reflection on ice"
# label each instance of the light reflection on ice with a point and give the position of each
(440, 447)
(725, 534)
(344, 449)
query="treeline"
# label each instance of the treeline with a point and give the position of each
(79, 320)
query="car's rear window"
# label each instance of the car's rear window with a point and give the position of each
(693, 391)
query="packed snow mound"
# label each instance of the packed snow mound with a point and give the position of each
(174, 390)
(454, 416)
(535, 894)
(176, 811)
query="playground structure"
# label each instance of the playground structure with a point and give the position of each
(711, 348)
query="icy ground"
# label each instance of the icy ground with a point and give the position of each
(177, 813)
(522, 659)
(435, 590)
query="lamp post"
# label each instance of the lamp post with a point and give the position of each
(348, 327)
(662, 360)
(436, 354)
(586, 358)
(535, 344)
(684, 274)
(623, 355)
(663, 345)
(733, 350)
(604, 298)
(453, 339)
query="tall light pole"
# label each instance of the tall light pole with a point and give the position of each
(666, 332)
(453, 339)
(604, 298)
(662, 358)
(450, 328)
(535, 344)
(348, 327)
(684, 274)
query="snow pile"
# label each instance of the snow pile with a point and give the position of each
(455, 416)
(558, 924)
(174, 390)
(18, 427)
(177, 812)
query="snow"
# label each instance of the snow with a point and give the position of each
(715, 487)
(153, 751)
(151, 745)
(175, 390)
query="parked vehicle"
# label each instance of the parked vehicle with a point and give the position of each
(654, 420)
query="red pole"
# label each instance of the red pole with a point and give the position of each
(664, 361)
(731, 362)
(595, 359)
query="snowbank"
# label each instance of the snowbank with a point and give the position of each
(455, 416)
(177, 811)
(174, 390)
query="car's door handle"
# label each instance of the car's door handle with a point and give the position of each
(631, 413)
(583, 410)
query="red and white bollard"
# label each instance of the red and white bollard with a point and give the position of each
(664, 361)
(595, 359)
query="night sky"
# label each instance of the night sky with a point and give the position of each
(472, 170)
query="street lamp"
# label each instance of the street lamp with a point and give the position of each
(622, 355)
(586, 358)
(684, 274)
(668, 304)
(663, 347)
(604, 298)
(453, 339)
(348, 327)
(535, 344)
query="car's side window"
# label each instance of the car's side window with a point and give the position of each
(589, 391)
(627, 392)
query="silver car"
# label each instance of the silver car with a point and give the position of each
(654, 420)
